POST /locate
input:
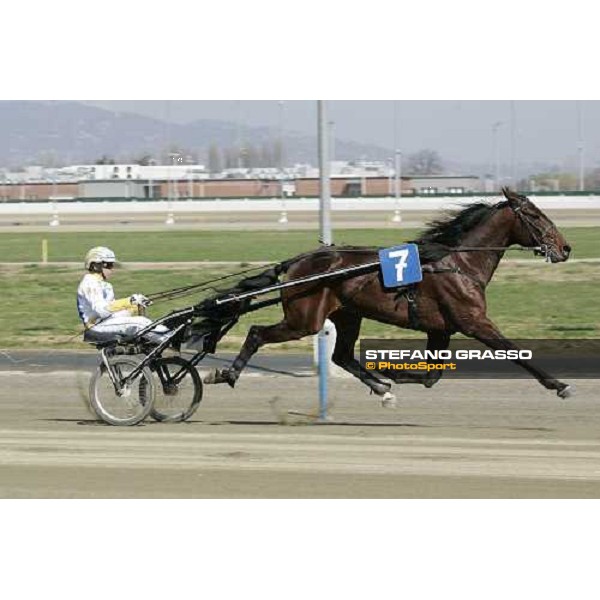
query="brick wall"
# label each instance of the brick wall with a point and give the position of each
(37, 191)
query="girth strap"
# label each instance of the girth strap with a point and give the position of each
(411, 298)
(409, 292)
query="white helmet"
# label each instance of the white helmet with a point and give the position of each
(99, 254)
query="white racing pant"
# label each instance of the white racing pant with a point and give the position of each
(125, 324)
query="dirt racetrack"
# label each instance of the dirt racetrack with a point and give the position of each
(461, 439)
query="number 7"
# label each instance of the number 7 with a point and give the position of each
(402, 255)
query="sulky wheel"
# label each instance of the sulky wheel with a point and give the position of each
(178, 389)
(131, 406)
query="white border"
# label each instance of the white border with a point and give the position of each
(299, 50)
(312, 49)
(298, 550)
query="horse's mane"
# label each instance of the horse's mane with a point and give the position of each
(447, 232)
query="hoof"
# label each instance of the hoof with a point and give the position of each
(388, 400)
(212, 377)
(381, 388)
(219, 376)
(566, 392)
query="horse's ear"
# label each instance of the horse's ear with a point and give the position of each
(512, 197)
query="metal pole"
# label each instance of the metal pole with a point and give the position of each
(240, 144)
(326, 239)
(513, 145)
(283, 217)
(397, 185)
(580, 145)
(170, 218)
(324, 176)
(495, 127)
(331, 125)
(397, 218)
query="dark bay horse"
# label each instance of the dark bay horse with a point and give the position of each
(459, 255)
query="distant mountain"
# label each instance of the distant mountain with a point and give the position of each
(63, 132)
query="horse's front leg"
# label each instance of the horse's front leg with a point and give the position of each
(347, 325)
(486, 332)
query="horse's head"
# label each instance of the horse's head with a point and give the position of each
(534, 228)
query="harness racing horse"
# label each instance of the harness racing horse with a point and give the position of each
(459, 255)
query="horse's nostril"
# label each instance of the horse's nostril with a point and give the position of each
(566, 250)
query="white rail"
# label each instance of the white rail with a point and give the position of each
(183, 206)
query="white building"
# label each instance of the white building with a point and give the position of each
(129, 171)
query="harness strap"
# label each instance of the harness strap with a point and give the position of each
(411, 299)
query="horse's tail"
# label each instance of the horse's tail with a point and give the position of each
(271, 275)
(264, 279)
(282, 267)
(326, 252)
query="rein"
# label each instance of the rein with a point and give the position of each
(533, 249)
(202, 286)
(461, 249)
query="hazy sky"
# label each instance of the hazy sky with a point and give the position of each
(545, 130)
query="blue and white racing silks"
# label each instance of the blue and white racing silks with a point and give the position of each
(106, 316)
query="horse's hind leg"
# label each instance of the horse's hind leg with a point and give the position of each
(258, 335)
(304, 315)
(347, 325)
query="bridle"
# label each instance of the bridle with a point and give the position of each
(535, 231)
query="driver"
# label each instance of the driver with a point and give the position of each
(102, 315)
